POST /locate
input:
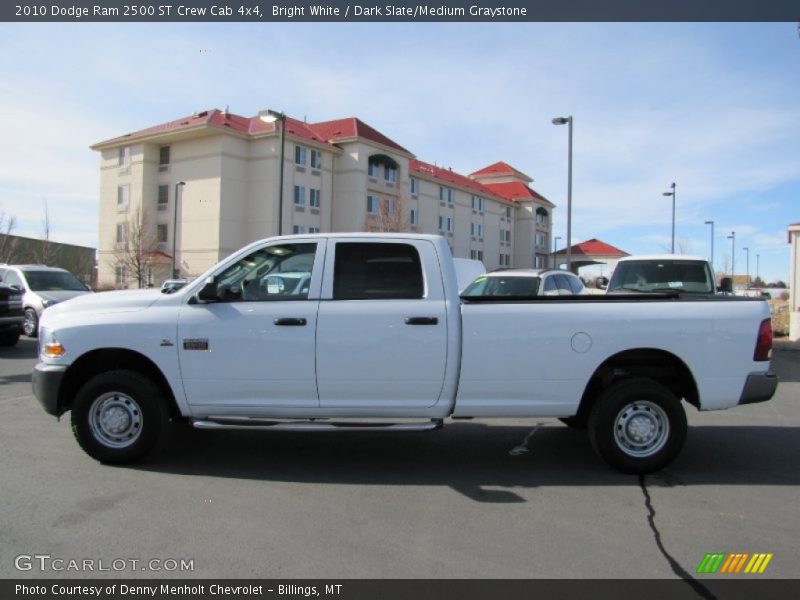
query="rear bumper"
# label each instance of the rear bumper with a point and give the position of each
(759, 387)
(46, 382)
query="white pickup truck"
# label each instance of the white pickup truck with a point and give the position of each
(319, 333)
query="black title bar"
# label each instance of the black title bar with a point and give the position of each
(224, 11)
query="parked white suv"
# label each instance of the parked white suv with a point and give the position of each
(41, 287)
(526, 282)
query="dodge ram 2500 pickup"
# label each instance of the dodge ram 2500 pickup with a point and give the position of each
(320, 332)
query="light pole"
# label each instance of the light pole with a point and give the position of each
(732, 238)
(555, 247)
(568, 121)
(747, 275)
(712, 242)
(672, 193)
(271, 116)
(175, 268)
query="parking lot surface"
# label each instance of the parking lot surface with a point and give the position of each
(475, 499)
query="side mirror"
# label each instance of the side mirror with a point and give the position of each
(208, 293)
(726, 285)
(601, 282)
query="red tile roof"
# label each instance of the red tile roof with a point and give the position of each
(326, 132)
(453, 178)
(500, 168)
(351, 127)
(516, 190)
(594, 247)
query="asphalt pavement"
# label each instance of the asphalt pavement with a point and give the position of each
(494, 499)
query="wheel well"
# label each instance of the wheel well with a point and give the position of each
(658, 365)
(109, 359)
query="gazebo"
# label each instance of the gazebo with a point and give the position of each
(590, 252)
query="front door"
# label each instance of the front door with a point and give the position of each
(251, 350)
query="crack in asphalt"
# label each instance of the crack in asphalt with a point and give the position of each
(676, 567)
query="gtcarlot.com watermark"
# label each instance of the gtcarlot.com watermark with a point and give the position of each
(57, 564)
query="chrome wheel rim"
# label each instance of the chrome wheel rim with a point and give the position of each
(641, 429)
(115, 420)
(29, 325)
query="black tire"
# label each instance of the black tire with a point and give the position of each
(119, 417)
(9, 338)
(30, 326)
(575, 422)
(637, 426)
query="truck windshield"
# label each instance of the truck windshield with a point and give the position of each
(690, 276)
(53, 281)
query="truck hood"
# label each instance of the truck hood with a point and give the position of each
(106, 302)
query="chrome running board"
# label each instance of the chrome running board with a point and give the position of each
(312, 425)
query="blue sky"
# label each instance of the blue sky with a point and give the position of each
(713, 107)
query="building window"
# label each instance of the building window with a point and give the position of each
(163, 233)
(446, 194)
(120, 276)
(299, 195)
(313, 199)
(541, 216)
(476, 229)
(123, 194)
(163, 156)
(374, 169)
(505, 235)
(122, 235)
(446, 224)
(299, 155)
(539, 262)
(373, 205)
(508, 212)
(390, 174)
(413, 217)
(414, 186)
(316, 159)
(541, 240)
(313, 230)
(390, 206)
(163, 197)
(477, 204)
(476, 254)
(125, 157)
(298, 229)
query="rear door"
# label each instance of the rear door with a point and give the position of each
(382, 325)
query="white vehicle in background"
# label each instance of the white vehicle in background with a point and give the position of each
(319, 332)
(676, 273)
(526, 283)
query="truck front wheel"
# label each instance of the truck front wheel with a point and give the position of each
(119, 417)
(637, 426)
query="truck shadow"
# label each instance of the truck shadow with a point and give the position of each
(476, 459)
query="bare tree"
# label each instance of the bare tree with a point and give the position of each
(7, 243)
(135, 249)
(392, 216)
(46, 253)
(683, 246)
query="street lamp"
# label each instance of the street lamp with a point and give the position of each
(712, 242)
(271, 116)
(672, 193)
(555, 247)
(747, 276)
(732, 238)
(175, 268)
(568, 121)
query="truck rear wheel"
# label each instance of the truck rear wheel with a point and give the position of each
(637, 426)
(119, 417)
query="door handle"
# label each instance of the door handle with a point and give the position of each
(422, 321)
(290, 322)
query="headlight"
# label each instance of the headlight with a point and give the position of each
(49, 346)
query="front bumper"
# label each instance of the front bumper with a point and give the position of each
(46, 382)
(759, 387)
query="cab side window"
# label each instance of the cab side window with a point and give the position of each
(377, 271)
